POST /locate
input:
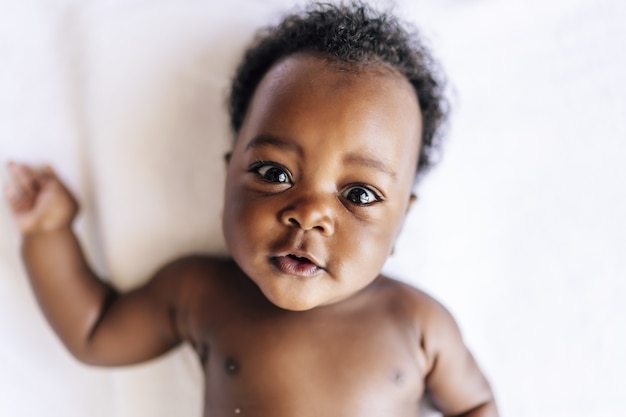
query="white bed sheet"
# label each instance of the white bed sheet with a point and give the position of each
(520, 231)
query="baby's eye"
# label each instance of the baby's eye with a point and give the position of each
(271, 173)
(360, 195)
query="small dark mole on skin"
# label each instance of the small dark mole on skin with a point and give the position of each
(231, 366)
(398, 377)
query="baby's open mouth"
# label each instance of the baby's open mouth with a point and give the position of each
(296, 265)
(299, 259)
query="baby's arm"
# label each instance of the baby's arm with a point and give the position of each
(455, 383)
(95, 323)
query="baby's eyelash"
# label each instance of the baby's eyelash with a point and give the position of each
(256, 164)
(271, 172)
(254, 167)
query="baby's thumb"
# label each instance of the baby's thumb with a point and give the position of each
(48, 172)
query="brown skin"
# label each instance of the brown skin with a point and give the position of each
(301, 323)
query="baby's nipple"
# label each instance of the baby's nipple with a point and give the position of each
(231, 366)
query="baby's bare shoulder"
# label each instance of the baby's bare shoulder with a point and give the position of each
(193, 284)
(434, 323)
(419, 305)
(192, 274)
(454, 381)
(193, 271)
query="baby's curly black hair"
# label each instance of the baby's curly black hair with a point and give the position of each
(353, 33)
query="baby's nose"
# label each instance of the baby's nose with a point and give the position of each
(311, 213)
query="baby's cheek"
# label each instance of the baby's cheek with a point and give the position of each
(252, 226)
(368, 250)
(235, 225)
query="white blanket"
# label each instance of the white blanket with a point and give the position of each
(520, 231)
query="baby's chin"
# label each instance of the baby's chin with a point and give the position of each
(297, 300)
(293, 303)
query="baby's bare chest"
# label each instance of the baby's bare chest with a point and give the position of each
(278, 363)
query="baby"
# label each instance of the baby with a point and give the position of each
(336, 111)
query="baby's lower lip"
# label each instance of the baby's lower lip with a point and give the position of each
(291, 265)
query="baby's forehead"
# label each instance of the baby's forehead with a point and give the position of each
(312, 98)
(311, 67)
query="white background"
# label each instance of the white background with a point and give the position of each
(520, 231)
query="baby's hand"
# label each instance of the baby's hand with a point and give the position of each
(40, 202)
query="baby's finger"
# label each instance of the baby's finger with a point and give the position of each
(48, 173)
(25, 179)
(17, 200)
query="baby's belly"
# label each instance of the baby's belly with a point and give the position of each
(308, 402)
(311, 409)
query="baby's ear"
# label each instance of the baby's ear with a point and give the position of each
(227, 157)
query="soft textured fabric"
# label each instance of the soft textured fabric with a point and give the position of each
(520, 231)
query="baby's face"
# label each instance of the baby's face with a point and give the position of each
(320, 178)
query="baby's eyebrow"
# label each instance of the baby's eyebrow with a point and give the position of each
(370, 162)
(269, 140)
